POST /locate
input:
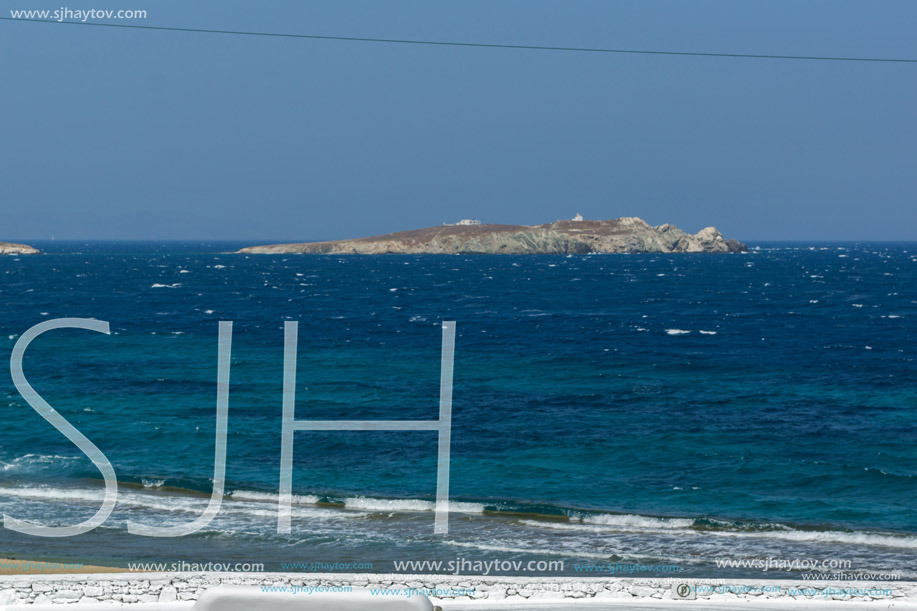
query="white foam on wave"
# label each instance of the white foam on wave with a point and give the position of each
(271, 497)
(165, 286)
(829, 536)
(635, 521)
(522, 550)
(677, 331)
(596, 529)
(702, 332)
(32, 461)
(269, 513)
(92, 496)
(404, 505)
(617, 523)
(168, 503)
(651, 525)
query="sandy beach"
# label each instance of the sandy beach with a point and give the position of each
(36, 567)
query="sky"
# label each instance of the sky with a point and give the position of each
(110, 133)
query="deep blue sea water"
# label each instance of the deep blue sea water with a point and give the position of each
(607, 408)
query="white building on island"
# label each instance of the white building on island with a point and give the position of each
(464, 222)
(578, 217)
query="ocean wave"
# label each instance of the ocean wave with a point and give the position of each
(522, 550)
(637, 524)
(166, 502)
(405, 505)
(830, 536)
(677, 331)
(595, 529)
(618, 523)
(250, 504)
(636, 521)
(95, 496)
(253, 503)
(272, 497)
(33, 462)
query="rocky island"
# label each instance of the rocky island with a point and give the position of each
(623, 235)
(8, 248)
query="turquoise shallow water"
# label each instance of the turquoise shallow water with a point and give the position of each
(620, 408)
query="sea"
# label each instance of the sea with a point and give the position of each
(634, 415)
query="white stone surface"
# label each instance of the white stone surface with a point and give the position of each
(251, 598)
(165, 590)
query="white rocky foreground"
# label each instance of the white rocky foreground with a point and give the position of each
(450, 592)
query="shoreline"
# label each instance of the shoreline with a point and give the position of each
(465, 591)
(14, 567)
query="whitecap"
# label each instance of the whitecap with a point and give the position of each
(271, 497)
(636, 521)
(522, 550)
(29, 461)
(677, 331)
(828, 536)
(170, 503)
(399, 505)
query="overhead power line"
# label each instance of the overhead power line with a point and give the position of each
(443, 43)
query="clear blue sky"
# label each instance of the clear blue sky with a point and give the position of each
(128, 134)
